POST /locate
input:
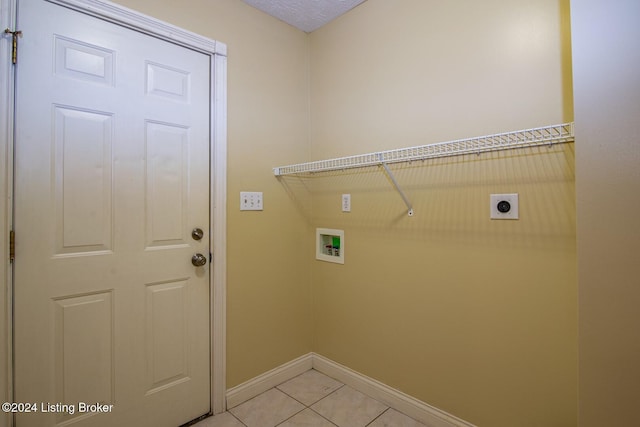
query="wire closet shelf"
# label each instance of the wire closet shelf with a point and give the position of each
(547, 135)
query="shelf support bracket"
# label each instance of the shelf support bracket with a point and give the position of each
(395, 184)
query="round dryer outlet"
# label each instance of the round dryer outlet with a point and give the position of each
(504, 206)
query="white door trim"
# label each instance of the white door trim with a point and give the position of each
(218, 164)
(7, 20)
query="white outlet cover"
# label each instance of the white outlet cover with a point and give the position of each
(509, 201)
(250, 200)
(346, 203)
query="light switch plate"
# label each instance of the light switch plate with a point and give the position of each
(251, 200)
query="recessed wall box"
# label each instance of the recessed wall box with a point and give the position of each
(330, 245)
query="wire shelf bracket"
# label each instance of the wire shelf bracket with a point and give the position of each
(397, 186)
(546, 135)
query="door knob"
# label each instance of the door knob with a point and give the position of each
(197, 233)
(198, 260)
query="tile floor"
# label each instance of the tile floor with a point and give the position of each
(311, 400)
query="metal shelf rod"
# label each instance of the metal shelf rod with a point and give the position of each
(547, 135)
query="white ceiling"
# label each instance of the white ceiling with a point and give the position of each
(306, 15)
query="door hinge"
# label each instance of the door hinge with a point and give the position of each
(14, 44)
(12, 245)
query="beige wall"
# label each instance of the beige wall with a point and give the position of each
(424, 304)
(473, 316)
(268, 288)
(606, 54)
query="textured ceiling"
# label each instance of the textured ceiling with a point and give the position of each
(306, 15)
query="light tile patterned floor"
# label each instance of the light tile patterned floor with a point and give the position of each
(311, 400)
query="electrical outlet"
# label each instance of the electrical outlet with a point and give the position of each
(250, 200)
(346, 203)
(504, 206)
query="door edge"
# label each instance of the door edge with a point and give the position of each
(7, 20)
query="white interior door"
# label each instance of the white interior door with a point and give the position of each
(111, 177)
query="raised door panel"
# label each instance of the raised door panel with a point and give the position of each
(167, 329)
(84, 352)
(82, 168)
(167, 179)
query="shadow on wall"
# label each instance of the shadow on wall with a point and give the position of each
(450, 197)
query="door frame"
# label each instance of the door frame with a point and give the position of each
(217, 53)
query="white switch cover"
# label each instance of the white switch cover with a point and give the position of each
(504, 206)
(251, 200)
(346, 203)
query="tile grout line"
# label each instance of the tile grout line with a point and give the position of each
(300, 411)
(381, 414)
(309, 406)
(324, 397)
(239, 420)
(320, 400)
(322, 416)
(335, 391)
(315, 413)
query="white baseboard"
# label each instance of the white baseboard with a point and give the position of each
(414, 408)
(250, 389)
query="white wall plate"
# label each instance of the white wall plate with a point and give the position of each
(504, 206)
